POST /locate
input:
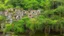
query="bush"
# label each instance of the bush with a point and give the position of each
(16, 26)
(8, 27)
(2, 18)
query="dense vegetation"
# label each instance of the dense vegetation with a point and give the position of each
(29, 4)
(51, 18)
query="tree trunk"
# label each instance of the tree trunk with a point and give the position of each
(61, 29)
(46, 30)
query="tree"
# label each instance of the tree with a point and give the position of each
(46, 4)
(33, 4)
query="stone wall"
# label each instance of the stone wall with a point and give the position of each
(17, 14)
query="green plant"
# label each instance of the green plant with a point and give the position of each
(8, 27)
(2, 18)
(18, 26)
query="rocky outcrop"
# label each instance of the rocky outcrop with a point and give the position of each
(16, 14)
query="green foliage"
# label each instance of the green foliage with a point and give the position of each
(17, 27)
(2, 7)
(2, 18)
(48, 18)
(59, 10)
(35, 23)
(31, 24)
(46, 4)
(25, 18)
(8, 27)
(34, 4)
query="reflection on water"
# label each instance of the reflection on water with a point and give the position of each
(41, 34)
(36, 34)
